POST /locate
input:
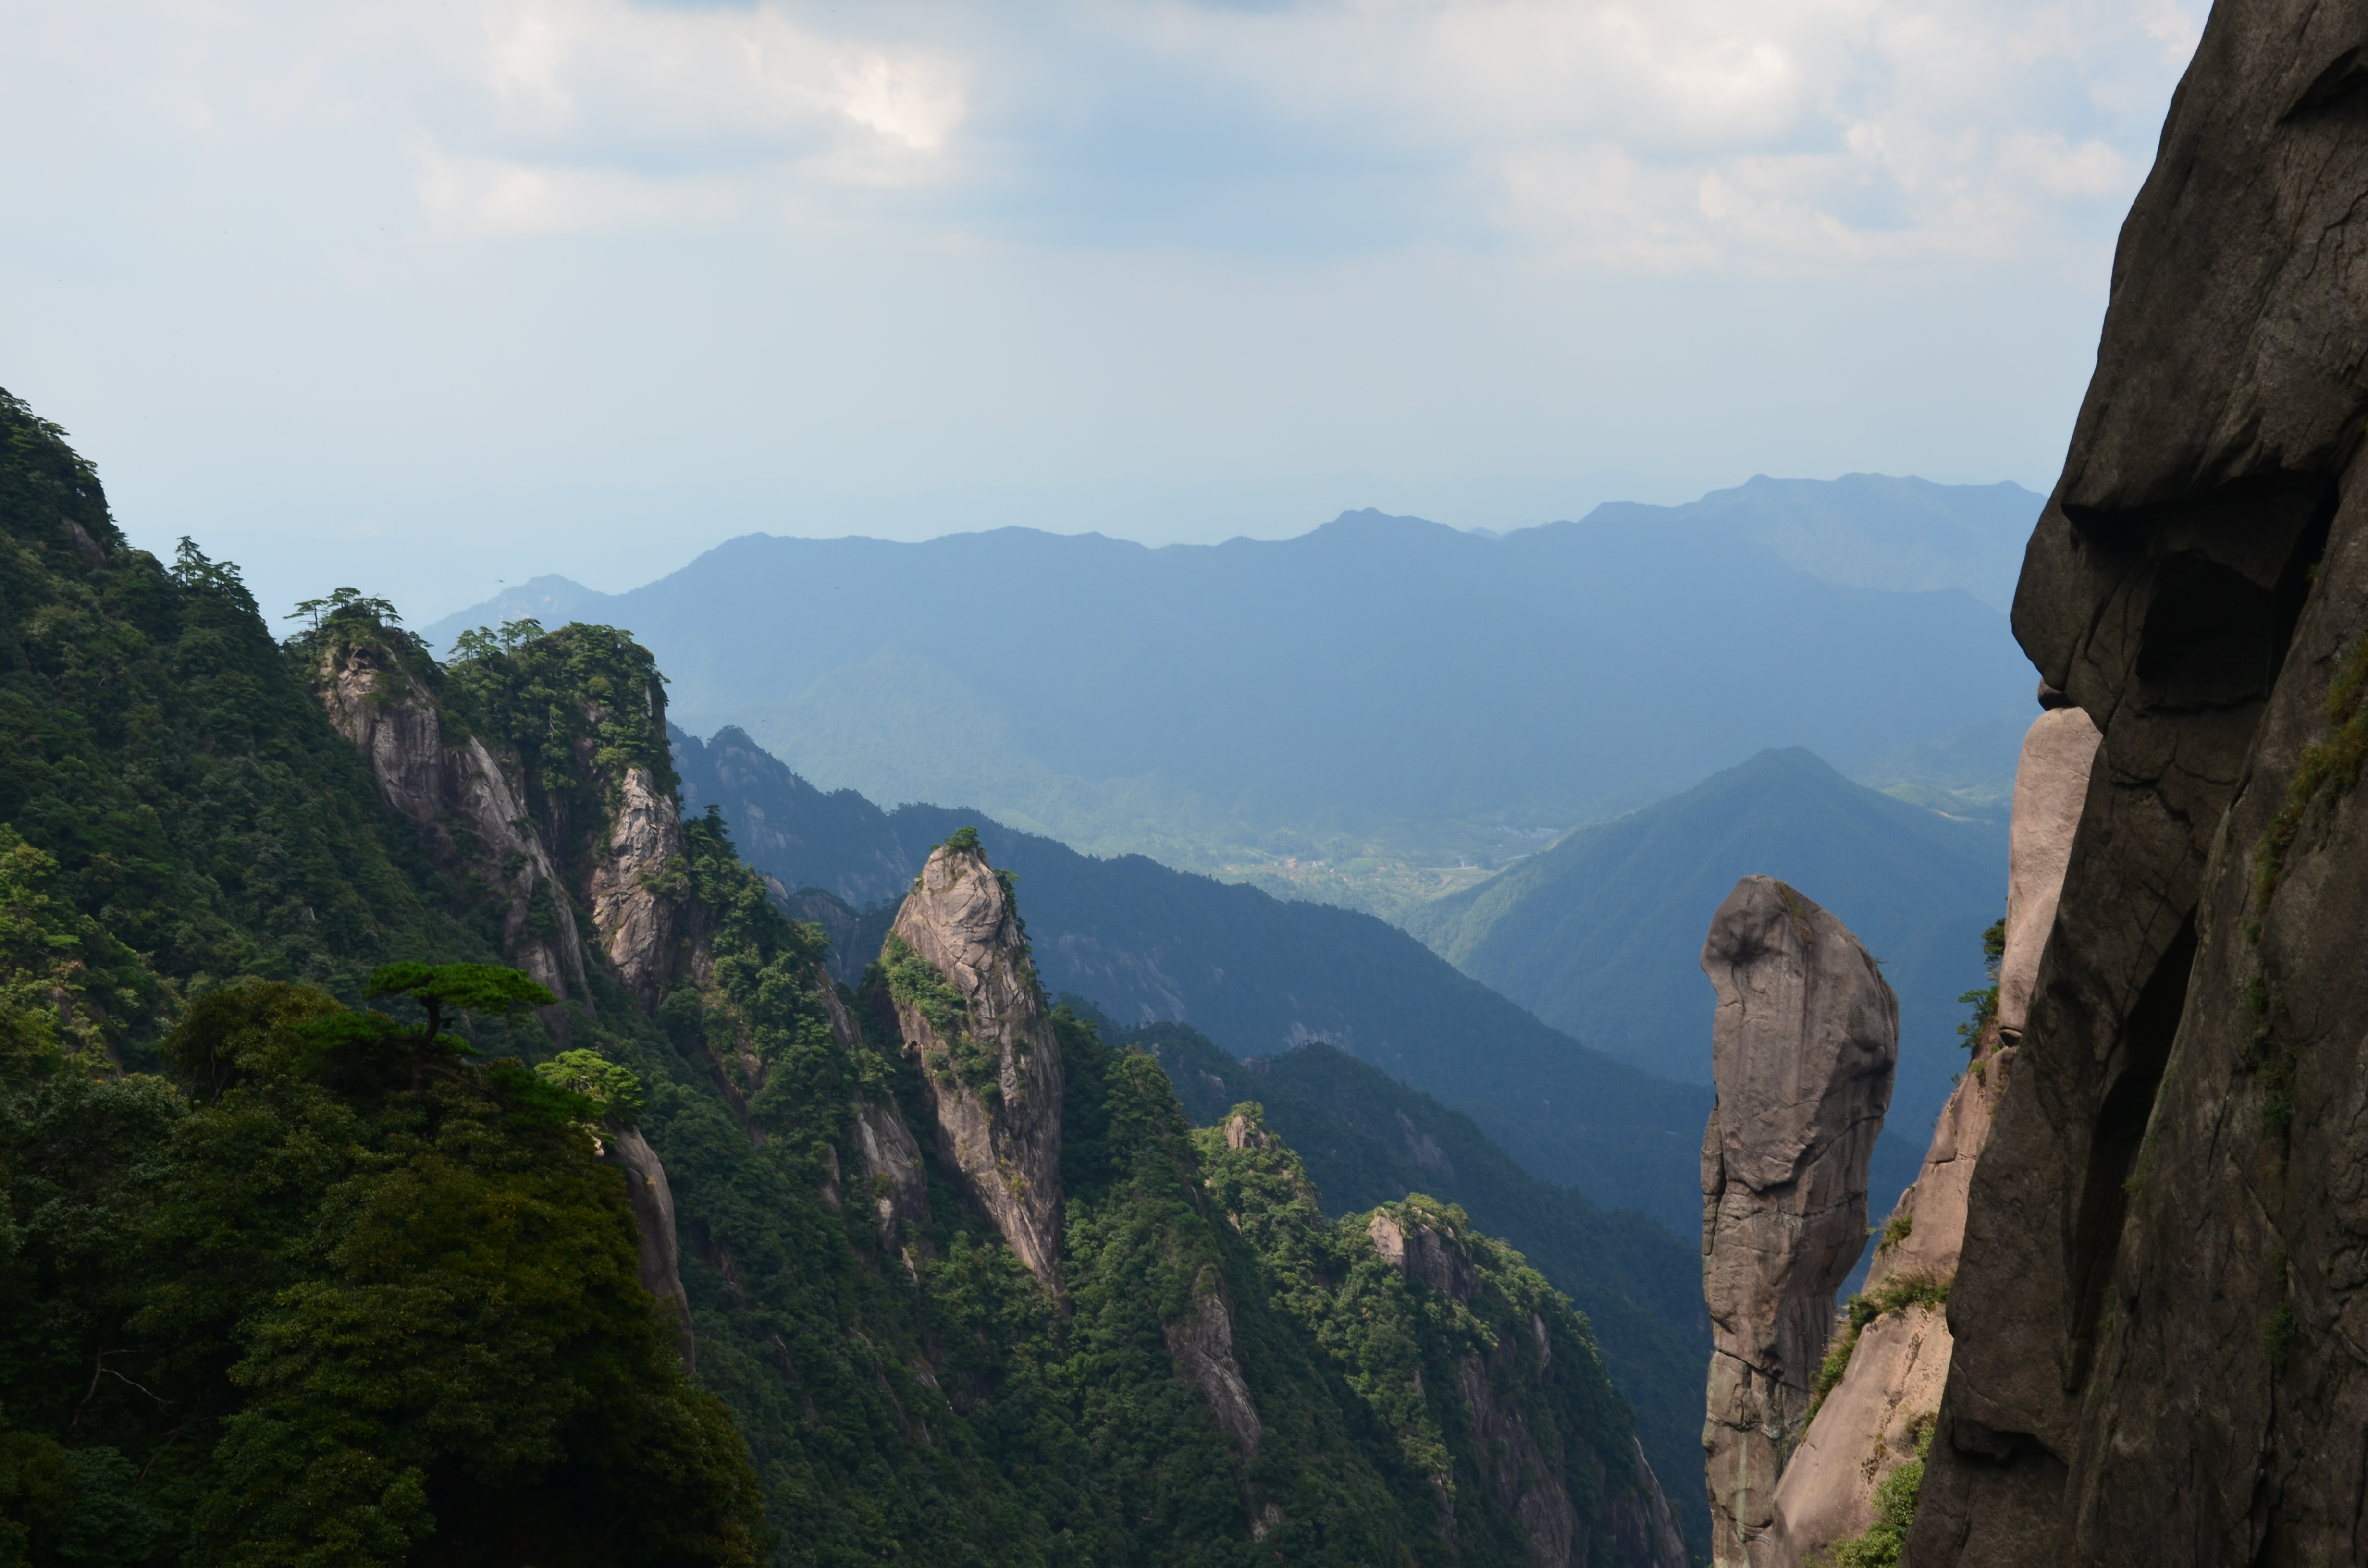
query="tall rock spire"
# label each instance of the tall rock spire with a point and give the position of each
(969, 1008)
(1804, 1047)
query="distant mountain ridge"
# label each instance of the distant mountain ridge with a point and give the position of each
(1380, 690)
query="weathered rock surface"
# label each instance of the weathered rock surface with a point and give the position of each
(1202, 1344)
(1522, 1478)
(1870, 1423)
(2050, 784)
(653, 1200)
(994, 1071)
(2161, 1310)
(634, 899)
(1804, 1044)
(397, 727)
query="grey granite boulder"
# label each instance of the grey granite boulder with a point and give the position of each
(1804, 1047)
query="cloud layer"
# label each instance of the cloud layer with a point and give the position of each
(280, 260)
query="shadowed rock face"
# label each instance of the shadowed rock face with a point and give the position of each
(2162, 1298)
(994, 1068)
(1804, 1046)
(1202, 1344)
(653, 1200)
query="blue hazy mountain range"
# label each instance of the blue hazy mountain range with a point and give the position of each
(1381, 689)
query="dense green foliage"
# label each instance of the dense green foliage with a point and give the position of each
(171, 759)
(1366, 1140)
(331, 1285)
(291, 1309)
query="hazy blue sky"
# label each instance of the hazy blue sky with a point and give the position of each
(420, 296)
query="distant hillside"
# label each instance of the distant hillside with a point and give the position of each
(1257, 974)
(1367, 1138)
(1601, 935)
(1870, 530)
(1374, 700)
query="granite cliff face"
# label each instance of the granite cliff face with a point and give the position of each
(1894, 1344)
(1804, 1045)
(446, 784)
(635, 903)
(970, 1010)
(2162, 1300)
(653, 1200)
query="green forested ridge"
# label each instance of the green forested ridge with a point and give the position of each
(1366, 1140)
(160, 745)
(331, 1292)
(310, 1283)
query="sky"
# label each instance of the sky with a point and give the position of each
(425, 298)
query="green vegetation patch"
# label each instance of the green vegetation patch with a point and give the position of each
(1895, 1513)
(334, 1287)
(1896, 1294)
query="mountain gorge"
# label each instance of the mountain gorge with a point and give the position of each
(392, 1061)
(1257, 975)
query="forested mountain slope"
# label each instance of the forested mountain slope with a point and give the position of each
(1257, 974)
(337, 1283)
(1367, 1138)
(1380, 686)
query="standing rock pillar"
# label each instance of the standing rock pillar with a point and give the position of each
(970, 1009)
(1805, 1044)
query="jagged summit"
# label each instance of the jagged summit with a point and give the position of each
(972, 1012)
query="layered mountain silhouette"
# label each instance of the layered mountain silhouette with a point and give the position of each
(1382, 685)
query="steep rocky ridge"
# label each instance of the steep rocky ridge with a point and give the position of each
(1488, 1379)
(1804, 1046)
(974, 1017)
(379, 692)
(2158, 1310)
(1879, 1391)
(1365, 1141)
